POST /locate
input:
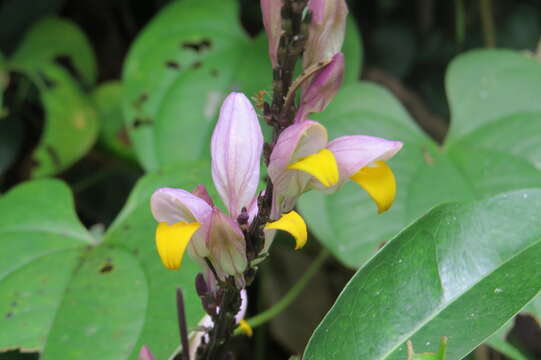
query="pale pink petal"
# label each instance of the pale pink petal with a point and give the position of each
(327, 30)
(145, 353)
(272, 21)
(236, 146)
(174, 205)
(243, 306)
(201, 192)
(296, 141)
(226, 244)
(322, 88)
(356, 151)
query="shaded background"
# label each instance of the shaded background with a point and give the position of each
(407, 47)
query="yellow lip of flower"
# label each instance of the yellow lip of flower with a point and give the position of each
(321, 165)
(379, 182)
(294, 224)
(171, 242)
(246, 328)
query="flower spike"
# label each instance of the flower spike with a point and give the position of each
(294, 224)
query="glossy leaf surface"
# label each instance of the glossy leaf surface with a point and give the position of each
(456, 272)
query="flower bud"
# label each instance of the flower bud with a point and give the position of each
(322, 88)
(272, 21)
(327, 30)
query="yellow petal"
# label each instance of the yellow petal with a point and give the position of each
(293, 223)
(379, 182)
(321, 165)
(171, 242)
(246, 328)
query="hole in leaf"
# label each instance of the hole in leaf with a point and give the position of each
(137, 122)
(197, 46)
(172, 64)
(197, 64)
(137, 103)
(107, 268)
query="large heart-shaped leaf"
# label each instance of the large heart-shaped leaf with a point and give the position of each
(180, 69)
(458, 272)
(60, 69)
(494, 146)
(67, 296)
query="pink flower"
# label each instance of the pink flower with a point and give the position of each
(303, 159)
(191, 221)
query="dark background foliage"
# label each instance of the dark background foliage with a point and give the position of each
(407, 47)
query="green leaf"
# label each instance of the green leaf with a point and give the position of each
(71, 125)
(113, 132)
(65, 295)
(442, 276)
(70, 48)
(353, 52)
(60, 69)
(177, 73)
(496, 151)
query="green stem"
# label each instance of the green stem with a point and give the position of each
(295, 291)
(487, 20)
(460, 23)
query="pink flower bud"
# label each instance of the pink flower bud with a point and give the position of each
(327, 30)
(236, 146)
(145, 353)
(322, 88)
(272, 20)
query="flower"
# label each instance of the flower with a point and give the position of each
(303, 159)
(327, 30)
(191, 221)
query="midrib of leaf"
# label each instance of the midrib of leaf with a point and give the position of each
(439, 309)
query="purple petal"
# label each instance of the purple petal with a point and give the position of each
(296, 141)
(355, 152)
(174, 205)
(236, 149)
(322, 88)
(327, 30)
(145, 353)
(272, 21)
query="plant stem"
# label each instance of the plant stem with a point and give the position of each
(292, 294)
(460, 23)
(487, 21)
